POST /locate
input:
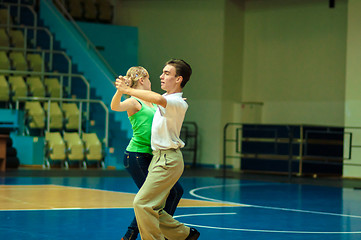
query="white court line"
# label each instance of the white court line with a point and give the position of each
(253, 230)
(192, 192)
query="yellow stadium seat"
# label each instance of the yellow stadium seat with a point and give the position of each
(4, 89)
(71, 113)
(4, 61)
(55, 148)
(105, 11)
(4, 38)
(18, 60)
(75, 147)
(36, 87)
(56, 116)
(93, 148)
(90, 10)
(53, 87)
(17, 38)
(75, 9)
(35, 62)
(18, 87)
(35, 115)
(4, 16)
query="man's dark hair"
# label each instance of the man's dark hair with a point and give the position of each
(182, 69)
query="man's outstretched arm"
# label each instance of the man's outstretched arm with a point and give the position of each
(145, 95)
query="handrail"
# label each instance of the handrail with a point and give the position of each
(18, 12)
(35, 29)
(90, 45)
(61, 75)
(301, 140)
(194, 134)
(80, 101)
(43, 51)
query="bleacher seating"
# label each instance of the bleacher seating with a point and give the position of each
(55, 148)
(75, 147)
(93, 148)
(18, 54)
(4, 89)
(105, 11)
(53, 87)
(35, 62)
(35, 115)
(56, 116)
(4, 38)
(4, 16)
(17, 38)
(71, 115)
(4, 61)
(90, 10)
(18, 61)
(75, 9)
(18, 87)
(36, 87)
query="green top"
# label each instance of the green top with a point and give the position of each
(142, 127)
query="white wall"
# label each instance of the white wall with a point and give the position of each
(352, 168)
(294, 60)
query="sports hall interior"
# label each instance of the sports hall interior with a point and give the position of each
(272, 132)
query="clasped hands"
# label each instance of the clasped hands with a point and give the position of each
(122, 83)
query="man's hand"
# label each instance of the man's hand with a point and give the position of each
(122, 84)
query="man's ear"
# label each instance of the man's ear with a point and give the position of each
(141, 80)
(179, 79)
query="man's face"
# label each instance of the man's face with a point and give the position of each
(168, 79)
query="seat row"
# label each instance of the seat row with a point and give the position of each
(64, 116)
(13, 87)
(11, 38)
(90, 10)
(16, 60)
(72, 148)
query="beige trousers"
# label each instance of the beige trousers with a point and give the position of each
(164, 171)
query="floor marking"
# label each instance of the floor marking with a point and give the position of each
(58, 197)
(254, 230)
(192, 192)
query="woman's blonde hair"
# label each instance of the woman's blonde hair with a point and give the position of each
(134, 74)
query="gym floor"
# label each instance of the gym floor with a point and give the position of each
(97, 204)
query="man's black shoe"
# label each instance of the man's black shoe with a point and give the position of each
(193, 234)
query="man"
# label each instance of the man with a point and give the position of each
(167, 164)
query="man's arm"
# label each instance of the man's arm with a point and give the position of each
(145, 95)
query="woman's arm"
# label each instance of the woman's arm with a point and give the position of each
(129, 105)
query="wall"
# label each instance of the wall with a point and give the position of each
(193, 31)
(352, 168)
(290, 55)
(294, 60)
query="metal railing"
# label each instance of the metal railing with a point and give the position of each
(189, 134)
(19, 6)
(61, 76)
(43, 53)
(26, 30)
(234, 137)
(79, 101)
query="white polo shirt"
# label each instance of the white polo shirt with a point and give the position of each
(167, 123)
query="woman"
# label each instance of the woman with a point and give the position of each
(138, 154)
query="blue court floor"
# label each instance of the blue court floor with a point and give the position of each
(254, 209)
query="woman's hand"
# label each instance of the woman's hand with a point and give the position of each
(122, 84)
